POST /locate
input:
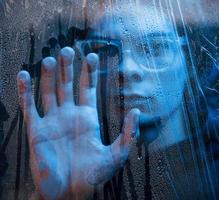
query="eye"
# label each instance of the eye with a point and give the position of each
(103, 48)
(145, 48)
(87, 49)
(155, 48)
(94, 47)
(158, 48)
(109, 50)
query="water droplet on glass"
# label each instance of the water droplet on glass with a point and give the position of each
(140, 157)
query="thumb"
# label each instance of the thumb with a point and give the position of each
(120, 148)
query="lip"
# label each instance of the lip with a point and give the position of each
(133, 97)
(134, 100)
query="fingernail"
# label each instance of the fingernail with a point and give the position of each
(92, 60)
(49, 64)
(22, 80)
(67, 54)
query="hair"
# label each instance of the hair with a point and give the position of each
(193, 100)
(194, 104)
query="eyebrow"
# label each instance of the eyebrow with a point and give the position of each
(145, 36)
(96, 37)
(159, 35)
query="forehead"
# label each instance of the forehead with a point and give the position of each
(132, 20)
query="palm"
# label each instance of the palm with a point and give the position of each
(67, 155)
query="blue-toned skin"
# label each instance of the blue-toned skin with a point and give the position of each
(67, 155)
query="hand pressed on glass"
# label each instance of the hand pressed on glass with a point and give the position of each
(66, 152)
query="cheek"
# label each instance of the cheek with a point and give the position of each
(168, 90)
(171, 84)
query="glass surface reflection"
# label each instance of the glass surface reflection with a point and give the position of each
(84, 135)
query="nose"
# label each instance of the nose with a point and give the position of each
(130, 71)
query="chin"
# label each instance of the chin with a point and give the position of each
(151, 112)
(147, 112)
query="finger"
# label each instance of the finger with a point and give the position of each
(65, 76)
(120, 148)
(88, 81)
(26, 98)
(47, 84)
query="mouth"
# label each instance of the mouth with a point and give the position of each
(136, 99)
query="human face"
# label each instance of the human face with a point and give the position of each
(139, 48)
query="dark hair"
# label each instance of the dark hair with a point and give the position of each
(199, 66)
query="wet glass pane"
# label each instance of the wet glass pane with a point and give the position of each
(112, 100)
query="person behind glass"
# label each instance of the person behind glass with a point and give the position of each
(146, 78)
